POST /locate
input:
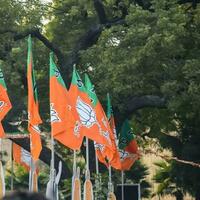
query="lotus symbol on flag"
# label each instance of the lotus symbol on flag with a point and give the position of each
(1, 104)
(54, 114)
(86, 113)
(98, 146)
(123, 154)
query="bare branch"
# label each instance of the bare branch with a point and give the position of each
(145, 101)
(99, 7)
(169, 158)
(35, 32)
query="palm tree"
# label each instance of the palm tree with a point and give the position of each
(166, 181)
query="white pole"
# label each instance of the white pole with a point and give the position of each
(53, 173)
(122, 176)
(12, 168)
(97, 164)
(74, 174)
(139, 192)
(87, 155)
(31, 175)
(97, 180)
(110, 186)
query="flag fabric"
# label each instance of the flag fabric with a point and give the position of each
(102, 151)
(89, 124)
(115, 161)
(63, 120)
(127, 139)
(33, 108)
(21, 156)
(126, 147)
(5, 104)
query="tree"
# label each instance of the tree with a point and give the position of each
(149, 46)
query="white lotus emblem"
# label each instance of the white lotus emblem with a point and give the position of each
(106, 135)
(123, 154)
(54, 114)
(2, 103)
(98, 146)
(86, 113)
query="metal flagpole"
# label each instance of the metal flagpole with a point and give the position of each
(53, 166)
(74, 175)
(110, 178)
(12, 168)
(87, 155)
(122, 176)
(97, 181)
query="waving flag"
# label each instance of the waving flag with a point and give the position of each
(115, 161)
(63, 121)
(127, 139)
(33, 108)
(21, 156)
(126, 147)
(5, 104)
(102, 151)
(89, 120)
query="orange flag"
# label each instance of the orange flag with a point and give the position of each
(63, 121)
(21, 156)
(5, 104)
(33, 108)
(122, 159)
(102, 151)
(89, 124)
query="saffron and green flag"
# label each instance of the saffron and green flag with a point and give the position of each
(127, 139)
(63, 118)
(33, 107)
(5, 104)
(102, 151)
(126, 146)
(89, 125)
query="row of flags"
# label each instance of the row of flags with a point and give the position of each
(75, 113)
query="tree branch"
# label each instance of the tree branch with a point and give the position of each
(99, 7)
(169, 158)
(35, 32)
(145, 101)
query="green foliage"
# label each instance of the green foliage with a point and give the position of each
(156, 52)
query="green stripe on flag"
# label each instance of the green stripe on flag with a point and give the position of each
(30, 62)
(126, 135)
(90, 90)
(76, 80)
(2, 81)
(54, 70)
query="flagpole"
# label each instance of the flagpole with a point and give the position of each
(97, 180)
(74, 175)
(110, 178)
(53, 166)
(12, 168)
(122, 177)
(87, 155)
